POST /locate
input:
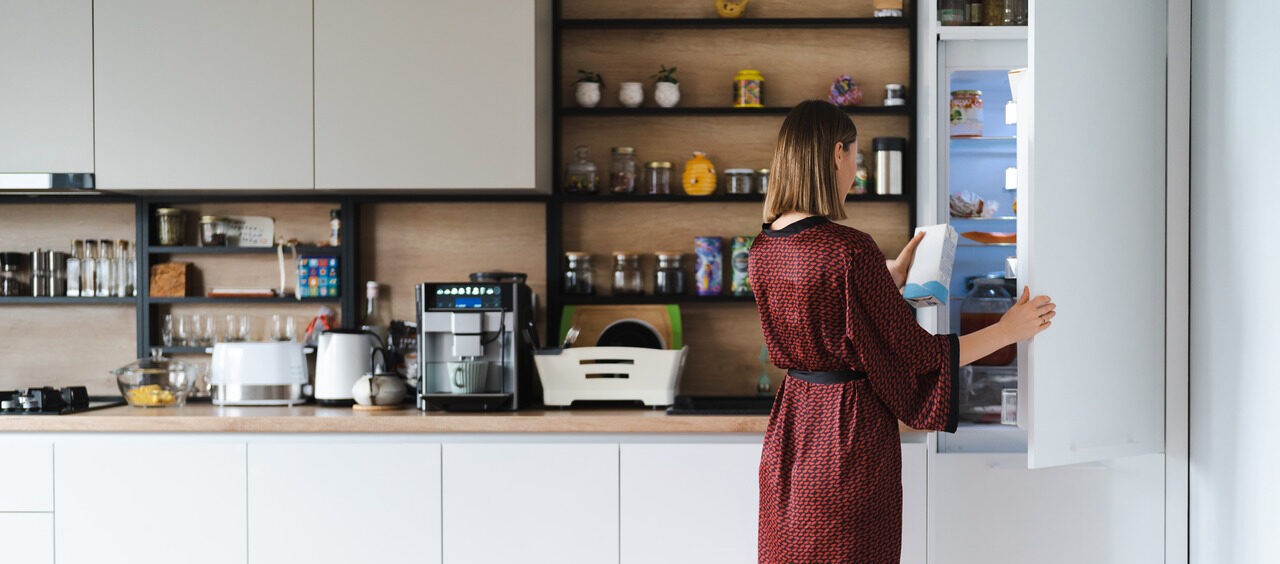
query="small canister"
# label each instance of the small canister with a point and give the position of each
(709, 278)
(213, 231)
(741, 283)
(888, 155)
(56, 282)
(738, 180)
(40, 273)
(966, 113)
(748, 89)
(657, 178)
(762, 181)
(171, 227)
(894, 95)
(11, 275)
(579, 280)
(668, 279)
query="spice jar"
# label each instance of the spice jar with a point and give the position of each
(748, 89)
(657, 177)
(11, 275)
(578, 278)
(171, 227)
(669, 278)
(893, 95)
(951, 12)
(966, 113)
(213, 231)
(622, 173)
(997, 12)
(974, 12)
(762, 181)
(627, 279)
(738, 180)
(581, 176)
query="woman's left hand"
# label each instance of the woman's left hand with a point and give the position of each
(899, 267)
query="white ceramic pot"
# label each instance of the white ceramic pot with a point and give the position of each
(380, 389)
(631, 94)
(666, 94)
(587, 94)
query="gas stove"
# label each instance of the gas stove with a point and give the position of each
(52, 401)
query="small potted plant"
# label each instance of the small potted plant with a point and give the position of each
(666, 89)
(587, 88)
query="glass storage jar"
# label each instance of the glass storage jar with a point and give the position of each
(578, 277)
(951, 12)
(171, 227)
(213, 231)
(738, 180)
(627, 279)
(11, 275)
(997, 12)
(669, 278)
(581, 176)
(657, 177)
(986, 303)
(762, 181)
(966, 113)
(973, 12)
(622, 172)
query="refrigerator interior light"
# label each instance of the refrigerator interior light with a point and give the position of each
(1011, 178)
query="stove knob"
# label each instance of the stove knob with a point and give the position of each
(6, 405)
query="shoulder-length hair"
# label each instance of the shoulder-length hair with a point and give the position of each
(803, 175)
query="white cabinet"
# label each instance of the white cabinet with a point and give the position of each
(530, 503)
(915, 503)
(26, 476)
(197, 94)
(149, 500)
(353, 502)
(990, 508)
(46, 103)
(689, 502)
(447, 94)
(27, 537)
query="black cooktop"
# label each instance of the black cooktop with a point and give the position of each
(52, 401)
(721, 405)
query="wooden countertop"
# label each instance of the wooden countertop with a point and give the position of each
(206, 418)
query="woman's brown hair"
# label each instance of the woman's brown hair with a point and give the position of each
(803, 174)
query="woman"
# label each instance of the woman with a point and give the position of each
(856, 360)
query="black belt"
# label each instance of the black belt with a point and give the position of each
(819, 377)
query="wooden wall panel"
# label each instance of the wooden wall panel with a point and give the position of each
(65, 345)
(26, 227)
(797, 64)
(706, 9)
(405, 244)
(728, 141)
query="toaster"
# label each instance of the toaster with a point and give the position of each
(271, 373)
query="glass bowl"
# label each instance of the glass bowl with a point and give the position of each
(156, 382)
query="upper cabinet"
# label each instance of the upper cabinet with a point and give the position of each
(46, 103)
(451, 94)
(194, 94)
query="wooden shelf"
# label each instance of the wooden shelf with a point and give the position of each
(726, 111)
(66, 300)
(722, 23)
(271, 300)
(604, 198)
(192, 250)
(651, 299)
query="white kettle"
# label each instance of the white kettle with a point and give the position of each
(342, 357)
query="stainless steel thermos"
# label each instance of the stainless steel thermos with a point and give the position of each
(888, 158)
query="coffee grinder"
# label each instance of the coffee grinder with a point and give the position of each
(472, 350)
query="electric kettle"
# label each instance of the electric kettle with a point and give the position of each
(343, 356)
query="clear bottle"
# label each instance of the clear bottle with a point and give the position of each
(89, 269)
(622, 171)
(73, 267)
(627, 279)
(125, 269)
(579, 280)
(335, 228)
(376, 320)
(106, 269)
(669, 278)
(581, 176)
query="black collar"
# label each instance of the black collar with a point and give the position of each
(796, 227)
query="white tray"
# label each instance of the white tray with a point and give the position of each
(610, 373)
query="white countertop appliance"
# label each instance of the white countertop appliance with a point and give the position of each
(270, 373)
(342, 357)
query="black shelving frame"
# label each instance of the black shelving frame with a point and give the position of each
(556, 299)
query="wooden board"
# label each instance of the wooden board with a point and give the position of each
(706, 9)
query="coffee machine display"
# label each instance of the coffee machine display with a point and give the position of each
(472, 350)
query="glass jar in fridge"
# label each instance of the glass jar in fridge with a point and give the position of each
(985, 305)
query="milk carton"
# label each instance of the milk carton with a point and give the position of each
(929, 280)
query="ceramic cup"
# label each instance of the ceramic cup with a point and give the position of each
(468, 376)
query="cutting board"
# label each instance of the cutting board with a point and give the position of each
(592, 320)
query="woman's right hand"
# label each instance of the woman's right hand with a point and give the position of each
(1028, 317)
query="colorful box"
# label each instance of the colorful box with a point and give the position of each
(318, 277)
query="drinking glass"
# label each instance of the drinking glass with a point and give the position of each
(232, 333)
(290, 329)
(277, 328)
(208, 330)
(167, 330)
(184, 330)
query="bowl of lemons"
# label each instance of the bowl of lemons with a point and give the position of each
(155, 381)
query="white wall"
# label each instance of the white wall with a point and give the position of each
(1235, 314)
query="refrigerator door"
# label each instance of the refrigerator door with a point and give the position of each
(1091, 229)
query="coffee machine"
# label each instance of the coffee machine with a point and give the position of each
(472, 347)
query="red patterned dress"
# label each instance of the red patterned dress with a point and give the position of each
(830, 475)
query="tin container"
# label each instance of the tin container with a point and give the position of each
(741, 283)
(708, 280)
(748, 89)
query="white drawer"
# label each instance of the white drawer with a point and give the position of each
(26, 476)
(27, 537)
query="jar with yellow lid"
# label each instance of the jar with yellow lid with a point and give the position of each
(748, 89)
(699, 176)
